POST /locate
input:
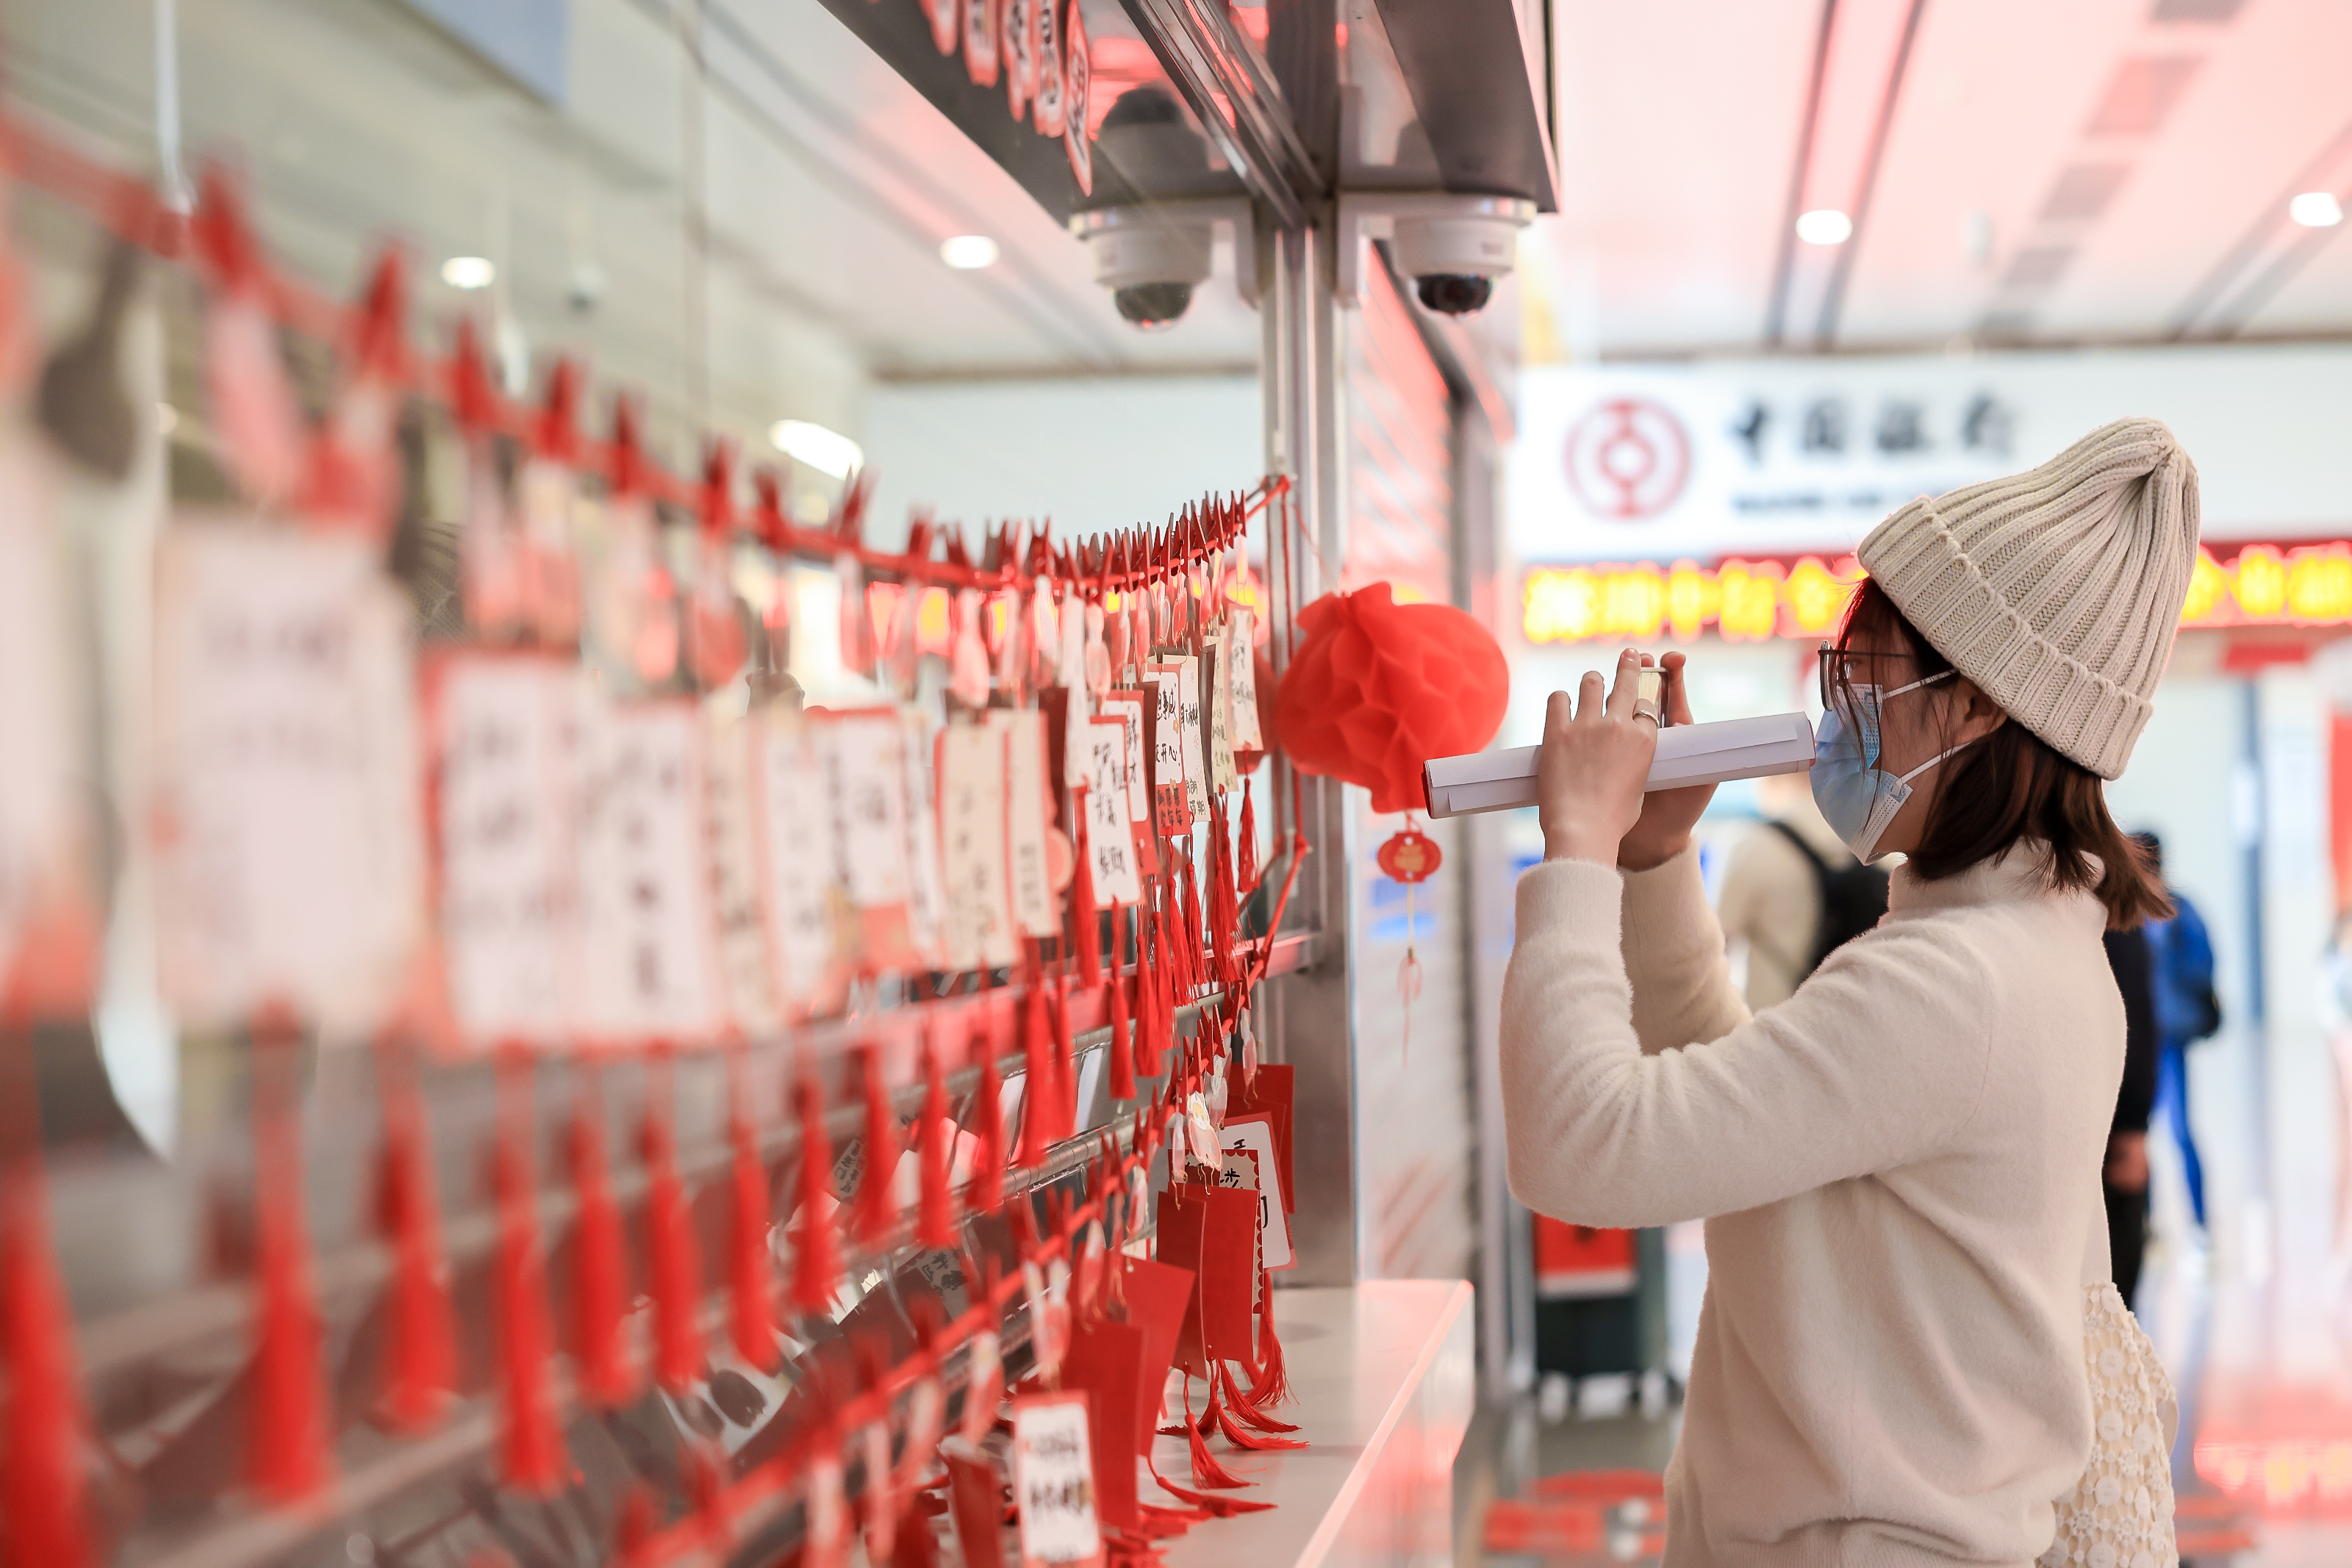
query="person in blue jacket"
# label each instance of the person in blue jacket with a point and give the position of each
(2187, 1011)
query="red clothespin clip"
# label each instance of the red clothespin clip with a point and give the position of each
(555, 433)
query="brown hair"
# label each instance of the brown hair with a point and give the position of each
(2011, 786)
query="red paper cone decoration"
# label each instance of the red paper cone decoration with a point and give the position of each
(986, 1194)
(289, 1441)
(420, 1359)
(42, 1525)
(1247, 848)
(531, 1445)
(1377, 689)
(670, 1248)
(877, 1207)
(1121, 1047)
(752, 1320)
(935, 1214)
(816, 1253)
(600, 1285)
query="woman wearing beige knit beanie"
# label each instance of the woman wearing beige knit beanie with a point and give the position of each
(1909, 1354)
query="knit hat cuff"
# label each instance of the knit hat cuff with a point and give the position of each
(2080, 713)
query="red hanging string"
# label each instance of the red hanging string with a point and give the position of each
(600, 1287)
(531, 1445)
(289, 1441)
(1121, 1047)
(421, 1357)
(1247, 847)
(1084, 920)
(935, 1212)
(671, 1252)
(752, 1320)
(877, 1209)
(1147, 995)
(986, 1193)
(816, 1252)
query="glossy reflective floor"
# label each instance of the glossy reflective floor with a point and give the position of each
(2252, 1313)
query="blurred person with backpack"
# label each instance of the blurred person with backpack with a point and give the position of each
(1793, 893)
(2180, 959)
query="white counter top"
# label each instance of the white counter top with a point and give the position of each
(1384, 1378)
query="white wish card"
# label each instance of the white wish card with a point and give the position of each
(1191, 724)
(1241, 643)
(866, 768)
(35, 703)
(799, 884)
(1217, 712)
(648, 933)
(926, 897)
(290, 863)
(1249, 1162)
(1053, 1481)
(972, 848)
(506, 734)
(1127, 707)
(737, 891)
(1172, 802)
(1035, 912)
(1110, 837)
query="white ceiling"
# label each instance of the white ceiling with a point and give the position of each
(2019, 170)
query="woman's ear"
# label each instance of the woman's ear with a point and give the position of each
(1980, 715)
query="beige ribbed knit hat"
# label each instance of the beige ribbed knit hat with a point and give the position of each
(2057, 589)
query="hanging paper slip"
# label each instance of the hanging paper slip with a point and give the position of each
(808, 913)
(1171, 797)
(1241, 642)
(1110, 837)
(1217, 709)
(506, 733)
(862, 753)
(290, 859)
(1053, 1481)
(34, 705)
(1251, 1163)
(1034, 911)
(736, 882)
(926, 899)
(648, 949)
(1191, 723)
(1133, 710)
(979, 893)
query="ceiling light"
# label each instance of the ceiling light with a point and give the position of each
(969, 253)
(469, 272)
(1824, 225)
(826, 451)
(2315, 210)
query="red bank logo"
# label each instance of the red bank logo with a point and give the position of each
(1628, 458)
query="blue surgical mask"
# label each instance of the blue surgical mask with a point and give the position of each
(1857, 798)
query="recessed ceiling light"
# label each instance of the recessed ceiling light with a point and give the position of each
(1824, 225)
(826, 451)
(969, 253)
(469, 272)
(2316, 210)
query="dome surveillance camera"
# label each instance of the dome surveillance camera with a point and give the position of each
(1153, 259)
(1452, 247)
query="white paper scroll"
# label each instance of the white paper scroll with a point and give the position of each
(289, 853)
(648, 933)
(35, 704)
(980, 929)
(1242, 642)
(1218, 713)
(1034, 913)
(1192, 724)
(1110, 837)
(506, 734)
(926, 898)
(795, 826)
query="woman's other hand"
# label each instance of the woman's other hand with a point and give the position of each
(1595, 759)
(1664, 829)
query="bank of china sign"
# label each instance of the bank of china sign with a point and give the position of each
(1672, 500)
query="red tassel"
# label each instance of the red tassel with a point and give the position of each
(289, 1440)
(986, 1193)
(1217, 1507)
(1145, 1038)
(670, 1247)
(753, 1319)
(1270, 1379)
(816, 1253)
(1235, 1417)
(1247, 847)
(1206, 1471)
(600, 1299)
(877, 1207)
(420, 1359)
(1066, 1083)
(935, 1213)
(1041, 1094)
(42, 1525)
(1196, 971)
(1083, 918)
(531, 1446)
(1121, 1047)
(632, 1532)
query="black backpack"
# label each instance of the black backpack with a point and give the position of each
(1853, 898)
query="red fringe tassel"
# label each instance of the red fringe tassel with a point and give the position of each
(670, 1243)
(600, 1262)
(816, 1252)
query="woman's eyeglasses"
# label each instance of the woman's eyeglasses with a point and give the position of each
(1839, 669)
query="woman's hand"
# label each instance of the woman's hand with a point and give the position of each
(1664, 830)
(1594, 762)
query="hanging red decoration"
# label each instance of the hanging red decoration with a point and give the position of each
(420, 1359)
(986, 1194)
(876, 1205)
(671, 1253)
(1377, 689)
(289, 1442)
(531, 1446)
(752, 1322)
(41, 1521)
(1410, 856)
(600, 1260)
(817, 1251)
(935, 1212)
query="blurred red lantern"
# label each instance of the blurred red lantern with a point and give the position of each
(1377, 689)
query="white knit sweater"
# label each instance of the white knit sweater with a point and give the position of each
(1899, 1169)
